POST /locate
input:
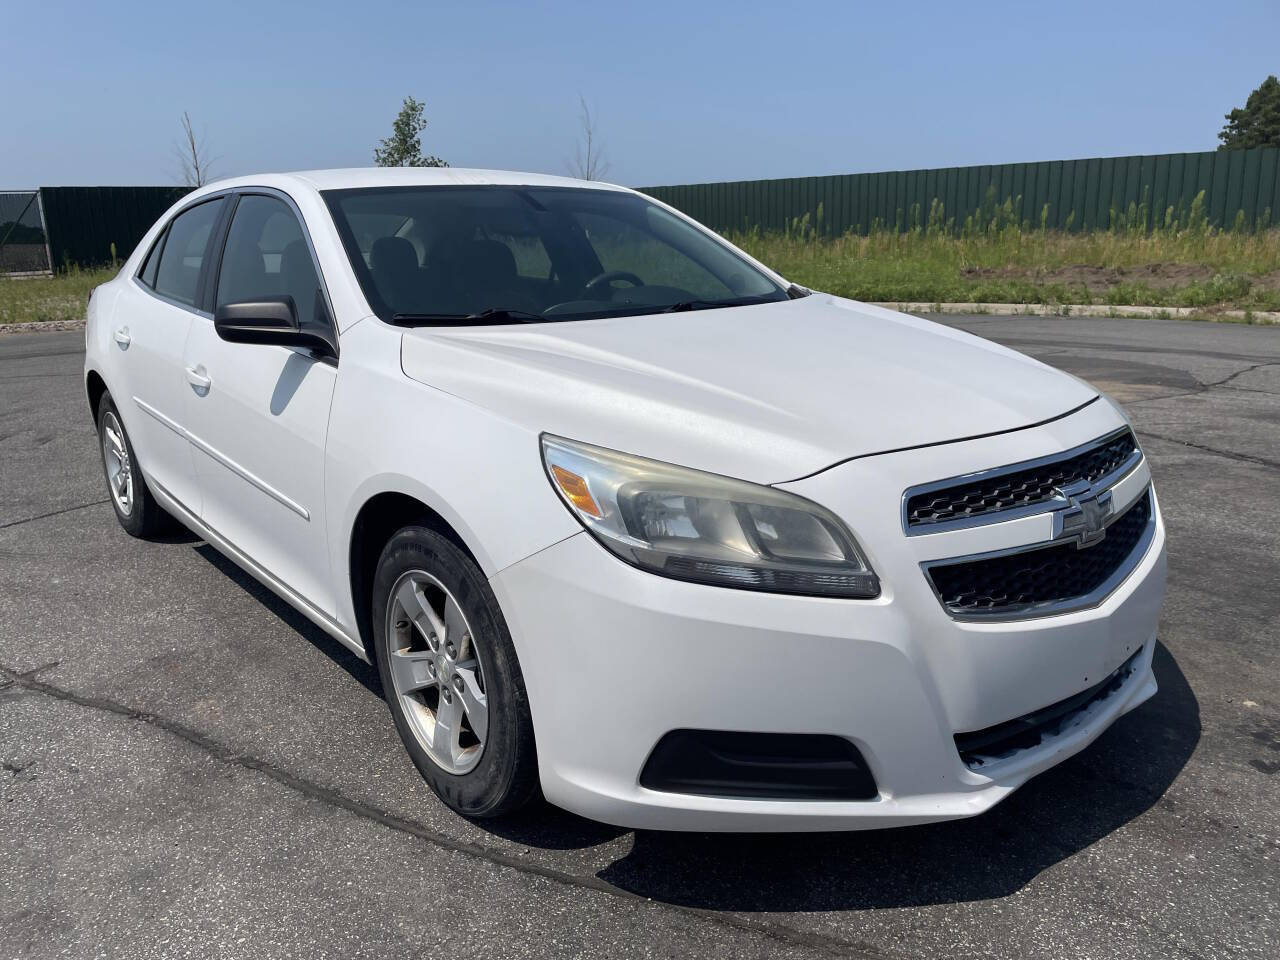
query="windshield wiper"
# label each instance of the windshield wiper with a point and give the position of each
(488, 315)
(684, 305)
(502, 313)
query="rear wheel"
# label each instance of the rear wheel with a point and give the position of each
(450, 675)
(135, 506)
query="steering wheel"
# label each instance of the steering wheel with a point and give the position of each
(603, 280)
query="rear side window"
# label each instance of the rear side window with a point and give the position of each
(182, 256)
(266, 255)
(148, 272)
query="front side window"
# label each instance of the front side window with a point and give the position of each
(182, 256)
(266, 255)
(525, 254)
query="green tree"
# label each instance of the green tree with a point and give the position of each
(1258, 123)
(404, 147)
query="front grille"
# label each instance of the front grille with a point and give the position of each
(1052, 575)
(1016, 487)
(1030, 730)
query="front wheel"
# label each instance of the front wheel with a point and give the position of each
(450, 675)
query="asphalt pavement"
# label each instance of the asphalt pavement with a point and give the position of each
(191, 769)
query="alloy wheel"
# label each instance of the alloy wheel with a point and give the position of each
(115, 455)
(436, 671)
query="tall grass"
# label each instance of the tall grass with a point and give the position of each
(995, 256)
(63, 296)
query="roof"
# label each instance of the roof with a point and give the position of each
(410, 176)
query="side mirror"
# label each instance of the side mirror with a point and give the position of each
(269, 320)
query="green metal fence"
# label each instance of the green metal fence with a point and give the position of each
(84, 222)
(1231, 189)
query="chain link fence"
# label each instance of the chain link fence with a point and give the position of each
(24, 241)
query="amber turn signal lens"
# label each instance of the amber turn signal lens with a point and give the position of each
(575, 489)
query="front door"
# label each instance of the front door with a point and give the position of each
(257, 414)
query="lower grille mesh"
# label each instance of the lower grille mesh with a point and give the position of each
(1053, 574)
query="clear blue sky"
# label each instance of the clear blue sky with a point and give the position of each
(689, 91)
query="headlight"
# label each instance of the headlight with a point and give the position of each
(699, 526)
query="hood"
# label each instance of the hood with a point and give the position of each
(766, 393)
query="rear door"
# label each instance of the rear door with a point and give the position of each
(152, 323)
(257, 415)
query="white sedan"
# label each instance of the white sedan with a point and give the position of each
(621, 514)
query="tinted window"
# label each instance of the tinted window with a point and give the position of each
(557, 253)
(148, 272)
(184, 252)
(622, 246)
(530, 255)
(267, 256)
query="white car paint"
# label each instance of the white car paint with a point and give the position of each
(258, 443)
(148, 338)
(721, 395)
(849, 405)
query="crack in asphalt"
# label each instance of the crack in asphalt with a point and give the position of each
(53, 513)
(313, 791)
(1269, 393)
(1170, 396)
(1240, 373)
(24, 676)
(1226, 454)
(1205, 387)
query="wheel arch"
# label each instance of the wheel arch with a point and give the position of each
(375, 523)
(95, 389)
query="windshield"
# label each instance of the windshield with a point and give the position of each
(507, 254)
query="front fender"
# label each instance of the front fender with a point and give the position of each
(480, 472)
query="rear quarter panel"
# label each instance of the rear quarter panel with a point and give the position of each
(97, 330)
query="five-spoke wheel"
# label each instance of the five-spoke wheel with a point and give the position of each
(450, 674)
(436, 671)
(119, 466)
(136, 507)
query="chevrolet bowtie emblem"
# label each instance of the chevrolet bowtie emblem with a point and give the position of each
(1084, 518)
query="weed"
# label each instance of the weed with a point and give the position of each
(60, 297)
(992, 257)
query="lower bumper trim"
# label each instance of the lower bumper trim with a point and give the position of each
(761, 766)
(1025, 732)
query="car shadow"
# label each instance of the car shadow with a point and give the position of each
(176, 535)
(360, 671)
(540, 825)
(546, 827)
(1053, 817)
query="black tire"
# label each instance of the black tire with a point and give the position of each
(145, 517)
(505, 778)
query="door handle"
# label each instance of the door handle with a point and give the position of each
(197, 377)
(122, 336)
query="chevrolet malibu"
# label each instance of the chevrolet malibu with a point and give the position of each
(621, 515)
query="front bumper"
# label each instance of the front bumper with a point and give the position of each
(615, 657)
